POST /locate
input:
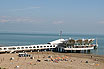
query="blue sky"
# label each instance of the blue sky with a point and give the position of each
(71, 16)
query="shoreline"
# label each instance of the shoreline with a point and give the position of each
(75, 61)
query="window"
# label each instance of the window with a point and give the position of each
(47, 46)
(34, 47)
(37, 46)
(54, 46)
(22, 47)
(14, 48)
(30, 47)
(26, 47)
(50, 46)
(41, 46)
(44, 46)
(5, 48)
(18, 47)
(11, 48)
(0, 48)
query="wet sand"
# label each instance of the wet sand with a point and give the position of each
(74, 61)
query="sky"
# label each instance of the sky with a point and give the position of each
(51, 16)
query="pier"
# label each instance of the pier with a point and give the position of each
(59, 45)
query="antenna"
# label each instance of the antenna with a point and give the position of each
(60, 34)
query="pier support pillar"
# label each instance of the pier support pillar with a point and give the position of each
(22, 51)
(88, 51)
(69, 51)
(72, 51)
(15, 52)
(49, 49)
(63, 50)
(58, 49)
(78, 51)
(84, 51)
(38, 50)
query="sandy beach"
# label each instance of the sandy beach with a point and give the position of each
(52, 60)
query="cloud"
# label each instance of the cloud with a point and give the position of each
(101, 22)
(8, 19)
(3, 21)
(29, 8)
(58, 22)
(4, 16)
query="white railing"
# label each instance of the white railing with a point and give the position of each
(79, 48)
(29, 47)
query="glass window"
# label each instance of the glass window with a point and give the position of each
(54, 46)
(34, 47)
(5, 48)
(30, 47)
(22, 47)
(11, 48)
(26, 47)
(37, 46)
(47, 46)
(18, 47)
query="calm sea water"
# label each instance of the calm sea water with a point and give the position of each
(8, 39)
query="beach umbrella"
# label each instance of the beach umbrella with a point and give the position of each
(79, 41)
(63, 58)
(71, 42)
(91, 41)
(66, 57)
(58, 57)
(55, 58)
(86, 41)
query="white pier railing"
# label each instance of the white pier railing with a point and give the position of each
(79, 48)
(29, 47)
(50, 45)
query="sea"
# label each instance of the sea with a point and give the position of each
(19, 39)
